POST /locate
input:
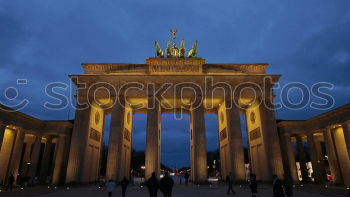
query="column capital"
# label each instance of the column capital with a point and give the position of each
(328, 128)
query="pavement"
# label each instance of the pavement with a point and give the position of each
(178, 191)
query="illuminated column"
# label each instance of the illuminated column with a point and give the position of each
(320, 157)
(198, 142)
(78, 144)
(343, 157)
(6, 152)
(16, 153)
(127, 139)
(35, 157)
(302, 159)
(2, 133)
(291, 157)
(346, 130)
(152, 160)
(235, 144)
(115, 140)
(316, 168)
(271, 139)
(44, 169)
(57, 171)
(332, 155)
(26, 156)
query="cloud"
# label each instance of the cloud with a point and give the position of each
(44, 41)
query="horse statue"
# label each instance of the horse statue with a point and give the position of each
(159, 52)
(182, 49)
(193, 52)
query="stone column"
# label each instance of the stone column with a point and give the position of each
(346, 130)
(57, 171)
(26, 157)
(235, 144)
(271, 139)
(291, 158)
(302, 159)
(343, 159)
(332, 156)
(320, 156)
(16, 153)
(34, 160)
(316, 168)
(152, 160)
(199, 168)
(5, 154)
(114, 159)
(2, 132)
(44, 169)
(78, 144)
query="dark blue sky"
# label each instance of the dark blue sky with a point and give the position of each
(45, 40)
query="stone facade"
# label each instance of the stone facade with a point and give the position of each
(60, 151)
(179, 85)
(329, 131)
(33, 148)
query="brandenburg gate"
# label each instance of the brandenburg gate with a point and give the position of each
(174, 83)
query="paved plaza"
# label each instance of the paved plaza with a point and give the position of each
(179, 191)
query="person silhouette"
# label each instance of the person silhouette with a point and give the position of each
(11, 181)
(153, 185)
(187, 176)
(166, 185)
(110, 187)
(277, 187)
(230, 181)
(124, 183)
(288, 185)
(253, 184)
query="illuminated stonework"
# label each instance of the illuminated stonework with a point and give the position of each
(192, 86)
(197, 78)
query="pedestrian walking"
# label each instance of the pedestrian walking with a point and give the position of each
(277, 187)
(187, 176)
(110, 187)
(166, 185)
(253, 184)
(288, 185)
(230, 181)
(11, 181)
(153, 185)
(124, 183)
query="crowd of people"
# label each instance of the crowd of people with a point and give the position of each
(166, 184)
